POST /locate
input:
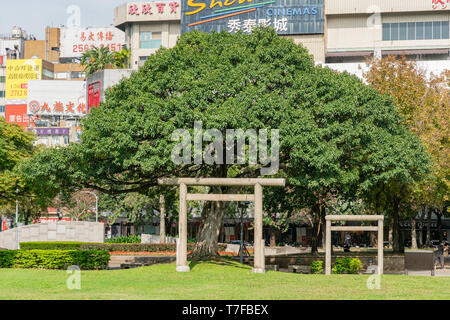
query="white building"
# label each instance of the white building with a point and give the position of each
(11, 47)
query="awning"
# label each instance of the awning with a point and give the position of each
(349, 54)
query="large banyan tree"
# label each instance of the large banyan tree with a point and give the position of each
(337, 135)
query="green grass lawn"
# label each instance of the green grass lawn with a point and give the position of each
(213, 280)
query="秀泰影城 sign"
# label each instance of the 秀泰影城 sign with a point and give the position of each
(76, 41)
(57, 98)
(287, 17)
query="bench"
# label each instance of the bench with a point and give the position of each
(299, 269)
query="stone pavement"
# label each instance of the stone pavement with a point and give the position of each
(439, 273)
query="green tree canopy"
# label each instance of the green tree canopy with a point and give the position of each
(332, 126)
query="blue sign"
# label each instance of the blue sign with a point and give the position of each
(287, 17)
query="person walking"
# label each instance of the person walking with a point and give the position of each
(440, 255)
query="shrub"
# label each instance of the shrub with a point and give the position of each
(317, 267)
(54, 259)
(7, 258)
(122, 239)
(51, 245)
(110, 247)
(347, 266)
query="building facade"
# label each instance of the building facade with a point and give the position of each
(359, 29)
(351, 32)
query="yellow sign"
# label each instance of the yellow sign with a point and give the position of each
(18, 73)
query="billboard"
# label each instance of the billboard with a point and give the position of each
(287, 17)
(57, 98)
(18, 73)
(17, 114)
(76, 41)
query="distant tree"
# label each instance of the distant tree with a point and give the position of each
(97, 59)
(423, 101)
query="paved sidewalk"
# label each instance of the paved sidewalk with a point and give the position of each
(439, 273)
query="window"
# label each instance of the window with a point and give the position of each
(411, 31)
(55, 140)
(403, 28)
(416, 31)
(437, 30)
(386, 31)
(77, 75)
(2, 79)
(428, 30)
(445, 30)
(2, 94)
(394, 31)
(2, 109)
(151, 40)
(419, 31)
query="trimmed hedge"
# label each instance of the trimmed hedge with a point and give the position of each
(110, 247)
(51, 245)
(122, 239)
(54, 259)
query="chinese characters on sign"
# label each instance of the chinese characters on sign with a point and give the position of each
(18, 73)
(76, 41)
(57, 98)
(440, 4)
(50, 131)
(150, 8)
(18, 114)
(280, 25)
(287, 17)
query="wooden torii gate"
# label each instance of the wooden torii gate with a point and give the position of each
(257, 198)
(379, 228)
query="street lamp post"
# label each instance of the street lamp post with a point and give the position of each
(17, 219)
(96, 203)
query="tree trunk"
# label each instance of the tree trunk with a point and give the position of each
(391, 232)
(273, 237)
(397, 240)
(420, 235)
(315, 229)
(208, 234)
(429, 213)
(413, 234)
(439, 225)
(162, 219)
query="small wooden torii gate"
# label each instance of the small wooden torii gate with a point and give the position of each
(257, 198)
(379, 228)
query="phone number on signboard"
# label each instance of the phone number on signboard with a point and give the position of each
(80, 48)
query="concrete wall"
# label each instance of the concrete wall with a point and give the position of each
(394, 264)
(55, 231)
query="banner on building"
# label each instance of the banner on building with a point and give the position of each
(287, 17)
(57, 98)
(18, 73)
(76, 41)
(17, 114)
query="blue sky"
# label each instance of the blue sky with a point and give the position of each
(35, 15)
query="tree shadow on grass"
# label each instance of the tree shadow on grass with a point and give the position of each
(220, 262)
